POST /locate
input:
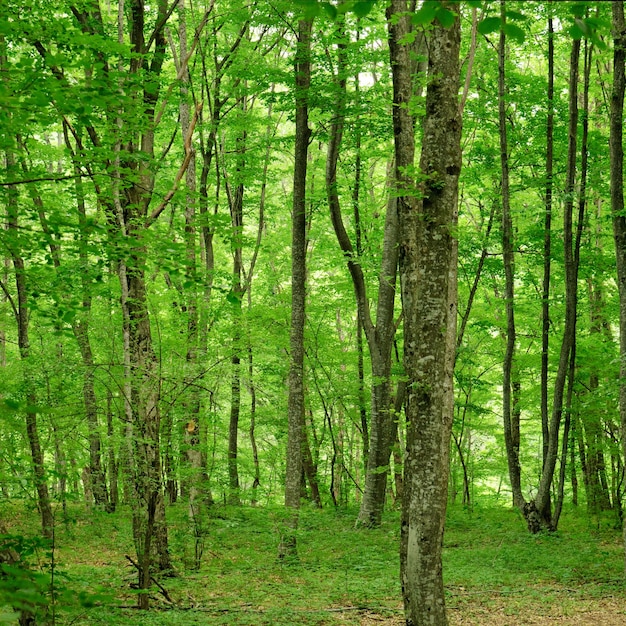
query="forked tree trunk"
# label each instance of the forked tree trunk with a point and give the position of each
(379, 336)
(538, 511)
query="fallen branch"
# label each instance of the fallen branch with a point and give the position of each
(249, 609)
(162, 589)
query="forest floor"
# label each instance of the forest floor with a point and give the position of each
(498, 610)
(496, 573)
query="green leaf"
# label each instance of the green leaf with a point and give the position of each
(445, 17)
(516, 15)
(233, 298)
(363, 8)
(584, 26)
(309, 8)
(426, 13)
(475, 4)
(489, 25)
(515, 32)
(330, 10)
(575, 32)
(13, 405)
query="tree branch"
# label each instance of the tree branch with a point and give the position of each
(181, 171)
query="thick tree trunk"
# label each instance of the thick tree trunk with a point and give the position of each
(426, 255)
(148, 505)
(288, 547)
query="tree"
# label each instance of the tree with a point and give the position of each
(379, 335)
(295, 415)
(426, 212)
(617, 193)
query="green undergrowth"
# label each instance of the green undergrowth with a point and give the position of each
(340, 572)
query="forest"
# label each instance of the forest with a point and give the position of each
(308, 295)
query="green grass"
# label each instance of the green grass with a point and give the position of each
(241, 582)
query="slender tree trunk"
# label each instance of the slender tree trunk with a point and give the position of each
(380, 336)
(547, 240)
(20, 309)
(426, 256)
(112, 462)
(511, 423)
(235, 202)
(256, 483)
(539, 510)
(617, 194)
(356, 206)
(288, 546)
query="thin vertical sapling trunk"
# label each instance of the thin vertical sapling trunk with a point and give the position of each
(547, 239)
(617, 195)
(295, 411)
(510, 416)
(21, 312)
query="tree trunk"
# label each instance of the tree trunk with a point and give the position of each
(540, 515)
(20, 309)
(547, 240)
(617, 194)
(113, 464)
(510, 416)
(380, 336)
(288, 546)
(426, 217)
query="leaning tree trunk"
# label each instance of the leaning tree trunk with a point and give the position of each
(426, 216)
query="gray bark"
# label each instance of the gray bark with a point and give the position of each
(426, 216)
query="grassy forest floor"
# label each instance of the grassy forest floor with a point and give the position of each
(496, 573)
